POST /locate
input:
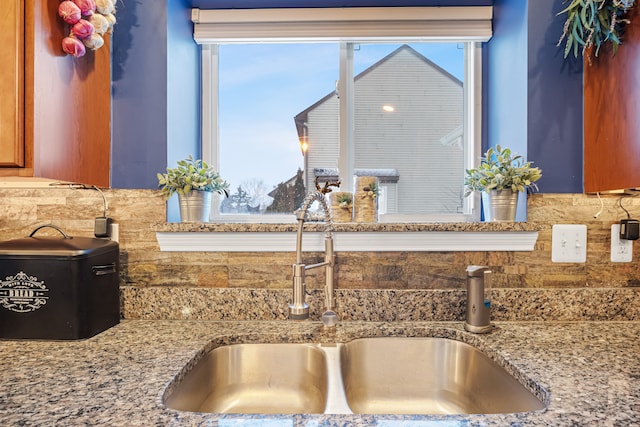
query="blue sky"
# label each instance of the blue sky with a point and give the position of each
(262, 87)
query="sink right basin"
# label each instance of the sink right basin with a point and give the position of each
(428, 376)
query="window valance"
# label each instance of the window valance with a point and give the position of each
(470, 23)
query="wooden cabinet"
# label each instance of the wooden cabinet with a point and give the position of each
(56, 114)
(612, 115)
(12, 148)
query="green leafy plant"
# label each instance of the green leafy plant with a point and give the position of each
(370, 190)
(191, 174)
(500, 169)
(345, 200)
(591, 23)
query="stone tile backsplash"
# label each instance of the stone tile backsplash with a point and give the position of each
(371, 286)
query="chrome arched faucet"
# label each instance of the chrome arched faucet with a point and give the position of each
(299, 309)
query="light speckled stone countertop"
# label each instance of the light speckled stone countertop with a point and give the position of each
(349, 226)
(587, 371)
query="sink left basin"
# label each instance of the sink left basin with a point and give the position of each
(255, 378)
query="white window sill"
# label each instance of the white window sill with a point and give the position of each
(368, 238)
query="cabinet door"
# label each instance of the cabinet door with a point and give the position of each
(12, 83)
(612, 114)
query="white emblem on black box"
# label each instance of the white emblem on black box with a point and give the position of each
(22, 293)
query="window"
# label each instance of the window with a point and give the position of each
(284, 106)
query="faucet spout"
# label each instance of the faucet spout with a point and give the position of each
(299, 309)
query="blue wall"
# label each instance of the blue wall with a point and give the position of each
(555, 100)
(534, 98)
(534, 95)
(183, 90)
(139, 94)
(155, 92)
(506, 81)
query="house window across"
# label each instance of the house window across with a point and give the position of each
(280, 114)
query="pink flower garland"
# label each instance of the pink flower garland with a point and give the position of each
(88, 20)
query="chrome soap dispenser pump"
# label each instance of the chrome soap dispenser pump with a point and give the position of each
(478, 301)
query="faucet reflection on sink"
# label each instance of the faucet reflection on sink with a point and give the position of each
(299, 309)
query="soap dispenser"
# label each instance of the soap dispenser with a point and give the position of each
(478, 301)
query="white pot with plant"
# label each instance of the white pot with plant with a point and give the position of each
(195, 182)
(502, 175)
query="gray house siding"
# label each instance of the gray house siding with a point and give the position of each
(323, 127)
(415, 139)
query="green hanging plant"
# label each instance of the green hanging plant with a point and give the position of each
(592, 23)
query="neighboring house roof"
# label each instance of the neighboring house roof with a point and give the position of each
(301, 118)
(288, 183)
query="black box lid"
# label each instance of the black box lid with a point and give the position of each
(56, 247)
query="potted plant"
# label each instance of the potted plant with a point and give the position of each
(195, 182)
(365, 200)
(502, 175)
(342, 206)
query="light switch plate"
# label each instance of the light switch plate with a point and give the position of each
(621, 249)
(569, 243)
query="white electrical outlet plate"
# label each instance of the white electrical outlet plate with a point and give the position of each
(569, 243)
(621, 249)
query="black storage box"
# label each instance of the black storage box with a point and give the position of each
(58, 288)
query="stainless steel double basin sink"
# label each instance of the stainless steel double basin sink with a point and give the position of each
(364, 376)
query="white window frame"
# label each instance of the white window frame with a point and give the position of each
(471, 25)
